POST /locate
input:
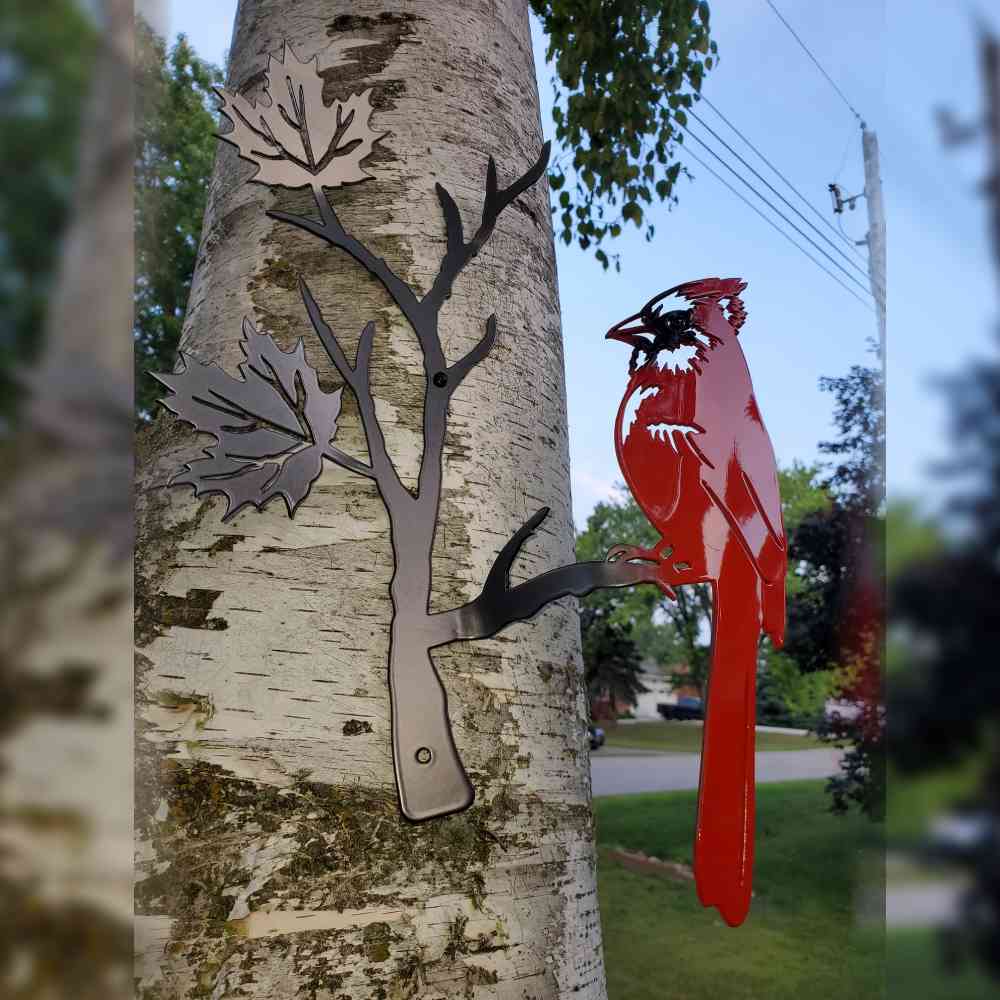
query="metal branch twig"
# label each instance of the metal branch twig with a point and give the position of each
(499, 604)
(332, 231)
(382, 468)
(459, 252)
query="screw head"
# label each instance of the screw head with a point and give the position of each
(440, 379)
(424, 755)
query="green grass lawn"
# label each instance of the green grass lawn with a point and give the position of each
(914, 971)
(685, 737)
(799, 940)
(913, 801)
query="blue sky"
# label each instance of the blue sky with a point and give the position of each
(896, 61)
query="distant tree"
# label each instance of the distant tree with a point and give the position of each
(858, 475)
(946, 702)
(844, 624)
(793, 683)
(610, 658)
(788, 697)
(47, 54)
(815, 567)
(174, 153)
(672, 633)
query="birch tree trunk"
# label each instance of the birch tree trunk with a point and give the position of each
(273, 858)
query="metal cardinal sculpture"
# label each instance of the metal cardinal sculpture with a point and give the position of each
(699, 462)
(712, 493)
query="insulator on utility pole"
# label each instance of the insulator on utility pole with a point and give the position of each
(839, 201)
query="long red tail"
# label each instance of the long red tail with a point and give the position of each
(724, 836)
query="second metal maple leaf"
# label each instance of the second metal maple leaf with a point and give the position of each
(272, 426)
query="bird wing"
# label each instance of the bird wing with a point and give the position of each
(760, 471)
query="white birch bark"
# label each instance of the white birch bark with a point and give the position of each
(273, 859)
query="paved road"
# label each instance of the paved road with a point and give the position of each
(617, 773)
(923, 905)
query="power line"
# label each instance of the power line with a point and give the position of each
(801, 196)
(776, 192)
(690, 152)
(843, 157)
(777, 210)
(805, 48)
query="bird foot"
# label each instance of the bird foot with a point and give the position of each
(631, 553)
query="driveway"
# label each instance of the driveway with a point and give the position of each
(614, 772)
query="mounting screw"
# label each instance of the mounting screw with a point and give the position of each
(424, 755)
(440, 380)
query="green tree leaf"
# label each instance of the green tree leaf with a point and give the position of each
(174, 152)
(47, 56)
(618, 68)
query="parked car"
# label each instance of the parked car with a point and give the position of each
(685, 709)
(596, 737)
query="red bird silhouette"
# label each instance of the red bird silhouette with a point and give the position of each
(699, 463)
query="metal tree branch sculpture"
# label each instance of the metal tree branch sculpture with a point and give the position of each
(274, 426)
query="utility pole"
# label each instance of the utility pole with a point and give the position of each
(876, 231)
(875, 237)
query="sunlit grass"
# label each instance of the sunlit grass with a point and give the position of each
(685, 737)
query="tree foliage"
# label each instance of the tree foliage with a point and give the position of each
(174, 153)
(823, 548)
(794, 683)
(947, 701)
(610, 659)
(975, 399)
(625, 73)
(858, 475)
(672, 633)
(47, 54)
(788, 697)
(844, 622)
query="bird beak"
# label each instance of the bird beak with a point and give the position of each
(629, 331)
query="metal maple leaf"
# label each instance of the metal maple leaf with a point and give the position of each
(273, 426)
(292, 137)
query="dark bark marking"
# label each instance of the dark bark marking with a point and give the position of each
(354, 727)
(190, 611)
